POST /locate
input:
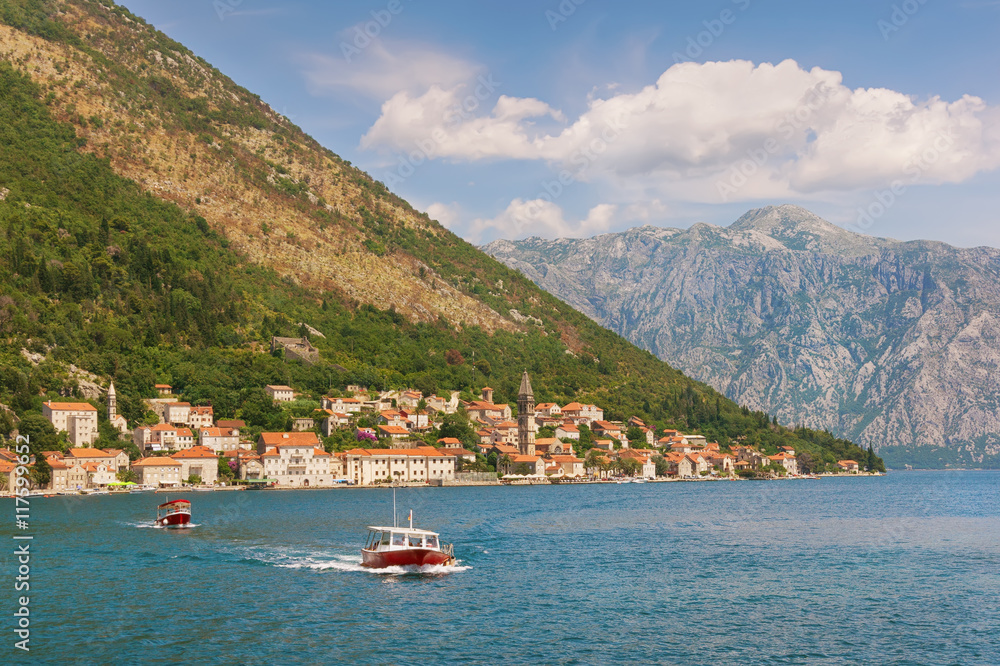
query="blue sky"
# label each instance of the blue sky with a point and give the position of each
(509, 119)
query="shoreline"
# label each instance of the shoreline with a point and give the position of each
(458, 484)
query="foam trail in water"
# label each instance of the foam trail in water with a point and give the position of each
(321, 561)
(156, 527)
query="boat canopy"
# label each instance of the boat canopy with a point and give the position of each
(407, 530)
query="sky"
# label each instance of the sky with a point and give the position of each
(560, 118)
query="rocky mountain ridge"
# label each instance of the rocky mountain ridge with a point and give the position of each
(889, 343)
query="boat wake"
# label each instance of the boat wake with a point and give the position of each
(151, 526)
(346, 563)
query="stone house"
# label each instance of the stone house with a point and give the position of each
(198, 461)
(177, 413)
(157, 471)
(568, 431)
(849, 466)
(88, 455)
(219, 439)
(297, 466)
(280, 392)
(77, 419)
(423, 463)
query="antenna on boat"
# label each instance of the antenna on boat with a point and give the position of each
(394, 506)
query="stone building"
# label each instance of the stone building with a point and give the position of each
(77, 419)
(299, 349)
(526, 417)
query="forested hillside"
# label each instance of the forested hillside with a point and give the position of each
(114, 264)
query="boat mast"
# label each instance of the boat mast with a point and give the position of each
(394, 506)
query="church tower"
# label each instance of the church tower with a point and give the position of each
(112, 403)
(526, 417)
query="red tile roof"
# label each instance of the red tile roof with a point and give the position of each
(155, 461)
(70, 406)
(88, 453)
(55, 463)
(289, 438)
(455, 451)
(195, 452)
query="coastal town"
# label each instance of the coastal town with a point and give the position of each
(394, 442)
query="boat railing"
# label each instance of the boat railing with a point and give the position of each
(448, 549)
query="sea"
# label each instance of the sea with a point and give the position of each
(899, 569)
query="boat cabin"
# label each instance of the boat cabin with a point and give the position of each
(400, 538)
(176, 506)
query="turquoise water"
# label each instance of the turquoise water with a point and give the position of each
(901, 569)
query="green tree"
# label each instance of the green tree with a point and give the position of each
(595, 460)
(629, 466)
(126, 476)
(457, 425)
(224, 470)
(41, 472)
(260, 411)
(41, 434)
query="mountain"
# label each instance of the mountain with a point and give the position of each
(891, 344)
(158, 223)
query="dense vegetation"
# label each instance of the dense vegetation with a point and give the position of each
(97, 273)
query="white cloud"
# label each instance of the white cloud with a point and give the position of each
(441, 123)
(543, 218)
(730, 130)
(448, 215)
(384, 68)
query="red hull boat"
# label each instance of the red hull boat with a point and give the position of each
(404, 547)
(174, 514)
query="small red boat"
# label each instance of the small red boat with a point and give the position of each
(404, 546)
(174, 514)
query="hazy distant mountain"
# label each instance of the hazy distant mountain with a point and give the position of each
(884, 342)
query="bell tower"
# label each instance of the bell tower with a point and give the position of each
(526, 417)
(112, 403)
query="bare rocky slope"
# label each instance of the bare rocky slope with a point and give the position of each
(888, 343)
